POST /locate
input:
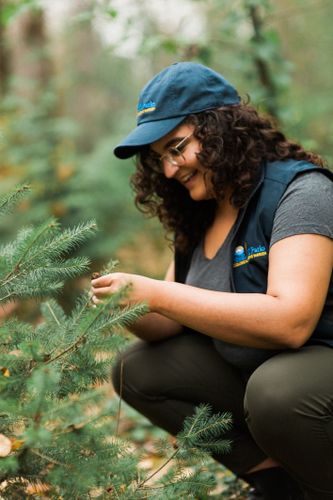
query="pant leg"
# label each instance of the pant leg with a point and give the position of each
(166, 380)
(289, 411)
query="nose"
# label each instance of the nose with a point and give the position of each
(169, 169)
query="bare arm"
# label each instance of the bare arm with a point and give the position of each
(300, 268)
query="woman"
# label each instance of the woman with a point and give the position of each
(244, 317)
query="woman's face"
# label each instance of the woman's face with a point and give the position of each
(189, 172)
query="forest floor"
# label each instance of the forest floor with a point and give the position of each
(143, 436)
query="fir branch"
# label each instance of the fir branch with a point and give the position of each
(52, 312)
(29, 239)
(6, 298)
(66, 242)
(48, 459)
(122, 316)
(202, 423)
(109, 267)
(31, 252)
(64, 269)
(70, 239)
(8, 201)
(77, 342)
(82, 306)
(183, 480)
(27, 290)
(31, 242)
(87, 397)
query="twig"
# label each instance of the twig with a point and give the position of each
(53, 314)
(77, 341)
(158, 470)
(48, 459)
(120, 395)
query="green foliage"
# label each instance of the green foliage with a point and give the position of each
(11, 199)
(100, 189)
(50, 402)
(39, 146)
(12, 8)
(33, 264)
(56, 414)
(188, 475)
(203, 431)
(51, 373)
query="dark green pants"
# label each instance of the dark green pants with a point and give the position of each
(283, 410)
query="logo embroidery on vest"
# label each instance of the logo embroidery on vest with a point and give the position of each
(243, 255)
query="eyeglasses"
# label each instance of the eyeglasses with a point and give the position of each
(174, 156)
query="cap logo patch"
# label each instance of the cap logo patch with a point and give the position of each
(146, 107)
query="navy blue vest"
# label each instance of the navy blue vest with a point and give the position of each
(252, 238)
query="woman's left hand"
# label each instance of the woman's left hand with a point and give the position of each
(141, 289)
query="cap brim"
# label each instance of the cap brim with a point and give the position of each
(145, 134)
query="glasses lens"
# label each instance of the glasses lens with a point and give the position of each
(175, 157)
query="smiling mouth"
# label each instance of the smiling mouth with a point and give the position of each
(188, 177)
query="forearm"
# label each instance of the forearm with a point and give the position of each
(154, 326)
(255, 320)
(285, 317)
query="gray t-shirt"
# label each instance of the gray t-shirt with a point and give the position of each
(305, 208)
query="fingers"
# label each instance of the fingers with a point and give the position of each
(100, 292)
(103, 286)
(103, 281)
(95, 300)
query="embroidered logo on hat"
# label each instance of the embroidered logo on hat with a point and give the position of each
(146, 107)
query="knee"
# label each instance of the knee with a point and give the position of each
(269, 403)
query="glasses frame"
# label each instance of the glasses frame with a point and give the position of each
(173, 156)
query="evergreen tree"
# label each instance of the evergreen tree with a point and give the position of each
(58, 425)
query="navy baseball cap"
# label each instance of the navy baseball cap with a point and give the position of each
(179, 90)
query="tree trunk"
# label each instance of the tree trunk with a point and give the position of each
(4, 58)
(31, 63)
(263, 70)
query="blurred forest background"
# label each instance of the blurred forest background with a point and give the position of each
(70, 74)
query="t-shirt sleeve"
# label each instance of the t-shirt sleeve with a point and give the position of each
(306, 207)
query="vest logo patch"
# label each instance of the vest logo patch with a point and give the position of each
(243, 254)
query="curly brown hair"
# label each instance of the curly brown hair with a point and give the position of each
(236, 141)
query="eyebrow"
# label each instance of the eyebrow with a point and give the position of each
(172, 142)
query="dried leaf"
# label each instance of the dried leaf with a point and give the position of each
(17, 444)
(5, 446)
(37, 489)
(5, 372)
